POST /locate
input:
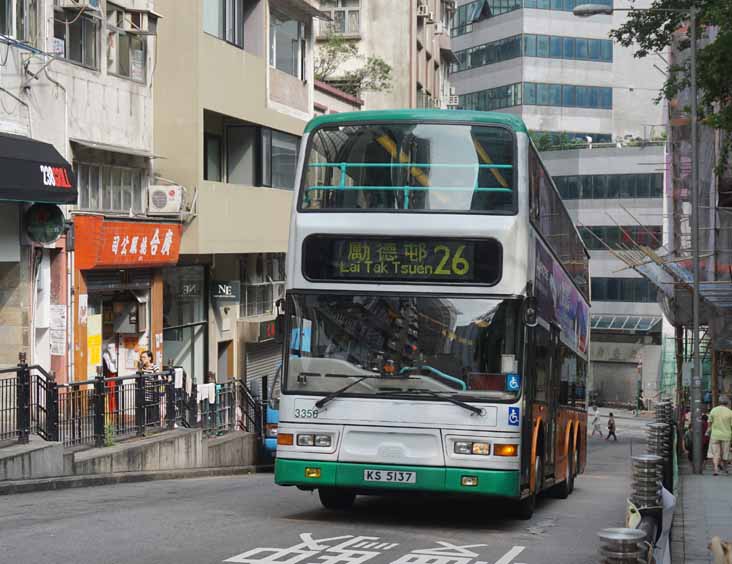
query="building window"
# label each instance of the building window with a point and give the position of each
(637, 290)
(213, 158)
(287, 45)
(346, 16)
(263, 283)
(531, 93)
(19, 19)
(252, 156)
(284, 159)
(76, 37)
(610, 186)
(225, 19)
(493, 98)
(111, 188)
(126, 46)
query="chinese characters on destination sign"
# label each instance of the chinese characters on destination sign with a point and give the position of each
(349, 549)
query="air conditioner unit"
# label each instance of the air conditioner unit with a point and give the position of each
(437, 102)
(431, 17)
(423, 11)
(439, 28)
(86, 4)
(453, 101)
(165, 200)
(453, 91)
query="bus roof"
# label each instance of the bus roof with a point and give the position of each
(467, 116)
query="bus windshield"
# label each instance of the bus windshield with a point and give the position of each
(410, 167)
(386, 344)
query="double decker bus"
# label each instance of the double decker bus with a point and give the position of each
(436, 315)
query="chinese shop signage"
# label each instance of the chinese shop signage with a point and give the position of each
(112, 244)
(423, 260)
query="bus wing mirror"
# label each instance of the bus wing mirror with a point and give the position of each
(280, 321)
(530, 311)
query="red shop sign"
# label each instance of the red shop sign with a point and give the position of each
(112, 244)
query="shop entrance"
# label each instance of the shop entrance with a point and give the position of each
(117, 324)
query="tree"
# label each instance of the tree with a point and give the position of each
(372, 73)
(653, 32)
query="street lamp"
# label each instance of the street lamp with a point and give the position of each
(587, 10)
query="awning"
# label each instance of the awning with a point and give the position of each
(301, 8)
(33, 171)
(144, 153)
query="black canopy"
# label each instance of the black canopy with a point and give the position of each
(32, 171)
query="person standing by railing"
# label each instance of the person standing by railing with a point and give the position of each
(152, 391)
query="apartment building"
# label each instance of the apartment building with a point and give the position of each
(590, 107)
(234, 89)
(77, 80)
(413, 37)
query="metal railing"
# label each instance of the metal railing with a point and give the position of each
(102, 411)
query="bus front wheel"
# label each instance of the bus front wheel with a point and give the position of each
(334, 498)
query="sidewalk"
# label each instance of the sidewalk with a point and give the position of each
(704, 510)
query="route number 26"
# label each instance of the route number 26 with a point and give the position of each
(455, 265)
(306, 413)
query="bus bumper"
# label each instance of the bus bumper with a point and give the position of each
(503, 483)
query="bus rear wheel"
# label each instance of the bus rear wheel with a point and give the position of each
(334, 498)
(565, 488)
(526, 507)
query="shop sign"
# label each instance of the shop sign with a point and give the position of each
(225, 291)
(44, 223)
(189, 289)
(112, 244)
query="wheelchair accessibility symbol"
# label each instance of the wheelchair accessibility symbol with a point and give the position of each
(513, 382)
(514, 416)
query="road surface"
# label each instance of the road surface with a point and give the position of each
(247, 519)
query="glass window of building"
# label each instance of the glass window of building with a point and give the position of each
(345, 16)
(284, 159)
(76, 37)
(111, 188)
(287, 44)
(225, 19)
(185, 319)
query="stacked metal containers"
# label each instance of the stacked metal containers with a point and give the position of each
(621, 546)
(647, 478)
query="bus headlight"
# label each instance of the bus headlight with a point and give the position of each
(465, 447)
(483, 449)
(305, 440)
(314, 440)
(462, 447)
(322, 440)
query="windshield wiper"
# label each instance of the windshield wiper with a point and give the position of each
(471, 408)
(322, 401)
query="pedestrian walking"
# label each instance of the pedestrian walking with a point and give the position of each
(611, 428)
(152, 388)
(595, 421)
(639, 403)
(720, 435)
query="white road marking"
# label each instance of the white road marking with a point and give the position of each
(510, 555)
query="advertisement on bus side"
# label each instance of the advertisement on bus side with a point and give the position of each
(559, 301)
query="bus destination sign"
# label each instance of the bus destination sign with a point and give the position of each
(433, 261)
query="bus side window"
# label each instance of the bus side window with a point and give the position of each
(542, 362)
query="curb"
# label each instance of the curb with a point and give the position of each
(68, 482)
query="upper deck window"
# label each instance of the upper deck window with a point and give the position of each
(410, 167)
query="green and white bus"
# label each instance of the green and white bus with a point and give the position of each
(436, 315)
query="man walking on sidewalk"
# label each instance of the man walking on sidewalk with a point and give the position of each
(720, 425)
(611, 428)
(595, 421)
